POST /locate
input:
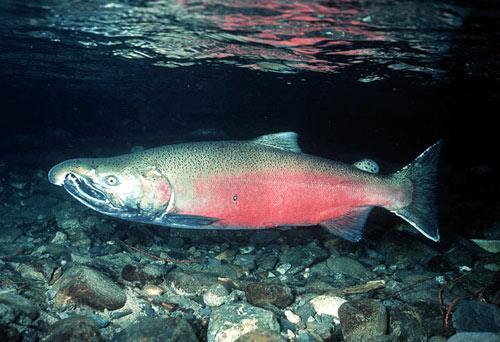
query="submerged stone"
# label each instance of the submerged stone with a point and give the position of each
(215, 295)
(348, 266)
(328, 305)
(362, 319)
(261, 335)
(233, 320)
(475, 337)
(170, 329)
(81, 285)
(18, 304)
(263, 294)
(73, 329)
(472, 315)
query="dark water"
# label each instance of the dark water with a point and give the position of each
(379, 79)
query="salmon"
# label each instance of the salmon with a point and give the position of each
(261, 183)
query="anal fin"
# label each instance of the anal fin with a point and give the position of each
(349, 226)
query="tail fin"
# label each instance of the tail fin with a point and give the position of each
(421, 213)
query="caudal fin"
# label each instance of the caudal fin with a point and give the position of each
(421, 213)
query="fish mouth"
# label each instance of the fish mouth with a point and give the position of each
(87, 192)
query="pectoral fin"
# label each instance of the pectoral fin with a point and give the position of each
(186, 221)
(349, 226)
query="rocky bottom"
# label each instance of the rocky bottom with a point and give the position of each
(70, 274)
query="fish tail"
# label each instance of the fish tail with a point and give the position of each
(421, 212)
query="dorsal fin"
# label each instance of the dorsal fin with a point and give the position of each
(367, 165)
(284, 141)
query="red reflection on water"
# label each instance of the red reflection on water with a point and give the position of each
(301, 31)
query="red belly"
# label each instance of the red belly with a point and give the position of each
(270, 198)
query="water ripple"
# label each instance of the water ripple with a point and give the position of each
(268, 35)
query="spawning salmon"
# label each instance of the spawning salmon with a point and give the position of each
(261, 183)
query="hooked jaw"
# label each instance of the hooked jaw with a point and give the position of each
(77, 182)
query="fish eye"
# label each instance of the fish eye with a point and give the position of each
(111, 180)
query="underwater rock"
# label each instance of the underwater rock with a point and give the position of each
(246, 261)
(266, 262)
(475, 337)
(362, 319)
(321, 326)
(263, 294)
(406, 324)
(261, 335)
(233, 320)
(404, 249)
(472, 315)
(73, 329)
(190, 284)
(300, 257)
(328, 304)
(169, 329)
(348, 266)
(83, 285)
(215, 295)
(18, 304)
(149, 273)
(419, 288)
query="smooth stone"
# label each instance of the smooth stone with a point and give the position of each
(475, 337)
(348, 266)
(266, 262)
(149, 273)
(263, 294)
(215, 295)
(83, 285)
(300, 257)
(76, 328)
(261, 335)
(19, 304)
(362, 319)
(169, 329)
(474, 316)
(291, 317)
(328, 305)
(190, 284)
(233, 320)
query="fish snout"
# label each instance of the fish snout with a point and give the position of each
(58, 173)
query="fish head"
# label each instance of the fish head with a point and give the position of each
(115, 187)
